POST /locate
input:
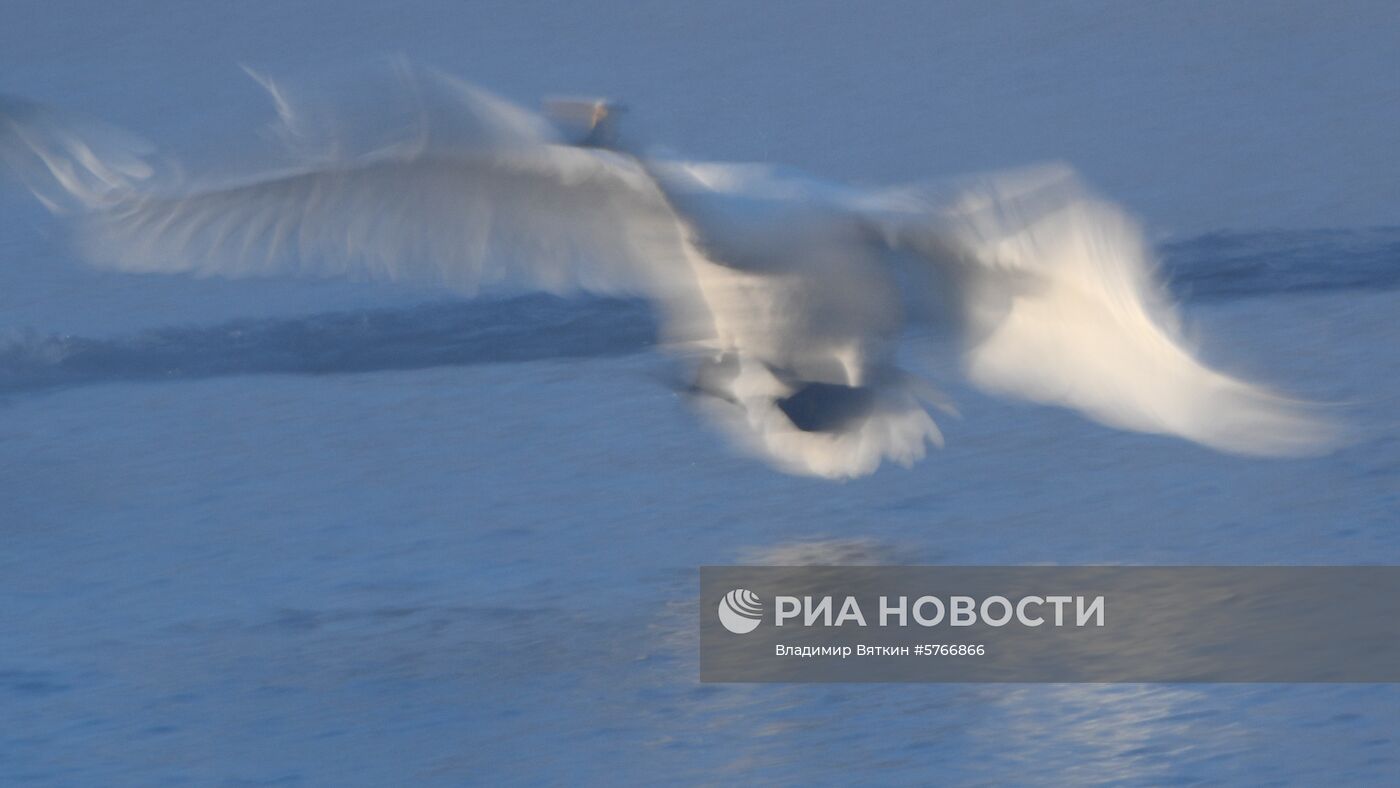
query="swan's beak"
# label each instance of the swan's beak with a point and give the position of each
(585, 122)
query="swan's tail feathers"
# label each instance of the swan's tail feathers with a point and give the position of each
(1064, 308)
(71, 164)
(812, 428)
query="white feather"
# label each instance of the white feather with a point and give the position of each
(789, 294)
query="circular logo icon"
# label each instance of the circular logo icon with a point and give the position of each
(740, 611)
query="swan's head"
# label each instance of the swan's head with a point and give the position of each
(589, 123)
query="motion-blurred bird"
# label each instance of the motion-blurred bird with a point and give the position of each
(786, 296)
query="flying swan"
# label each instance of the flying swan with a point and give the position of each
(785, 296)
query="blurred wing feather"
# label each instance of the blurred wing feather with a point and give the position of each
(1062, 306)
(550, 217)
(403, 173)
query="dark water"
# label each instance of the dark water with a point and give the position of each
(1242, 265)
(1211, 268)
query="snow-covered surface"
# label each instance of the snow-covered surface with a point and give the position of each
(328, 533)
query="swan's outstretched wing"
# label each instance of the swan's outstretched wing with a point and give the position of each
(418, 176)
(1061, 306)
(432, 180)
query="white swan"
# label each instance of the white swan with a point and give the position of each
(787, 295)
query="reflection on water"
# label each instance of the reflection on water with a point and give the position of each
(1095, 733)
(978, 733)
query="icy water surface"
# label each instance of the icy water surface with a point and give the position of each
(333, 534)
(456, 541)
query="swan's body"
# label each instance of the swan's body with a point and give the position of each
(788, 295)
